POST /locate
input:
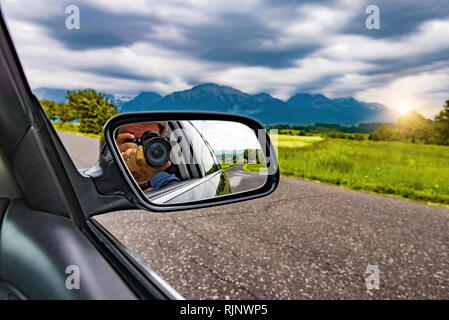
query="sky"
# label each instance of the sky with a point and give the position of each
(280, 47)
(227, 135)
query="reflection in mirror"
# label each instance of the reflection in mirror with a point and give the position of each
(177, 162)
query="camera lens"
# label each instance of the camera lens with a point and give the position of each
(157, 152)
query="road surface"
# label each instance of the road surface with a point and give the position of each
(305, 241)
(240, 180)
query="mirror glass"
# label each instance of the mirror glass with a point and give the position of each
(177, 162)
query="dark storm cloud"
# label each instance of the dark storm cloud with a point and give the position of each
(409, 65)
(230, 38)
(386, 71)
(252, 57)
(398, 18)
(296, 3)
(233, 38)
(100, 29)
(238, 39)
(317, 85)
(122, 73)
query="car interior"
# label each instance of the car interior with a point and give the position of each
(47, 205)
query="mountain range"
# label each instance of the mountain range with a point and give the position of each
(300, 109)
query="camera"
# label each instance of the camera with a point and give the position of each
(156, 149)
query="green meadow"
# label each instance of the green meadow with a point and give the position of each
(288, 141)
(254, 167)
(73, 128)
(414, 171)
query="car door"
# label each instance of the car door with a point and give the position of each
(211, 180)
(48, 250)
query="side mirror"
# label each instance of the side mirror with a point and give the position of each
(185, 160)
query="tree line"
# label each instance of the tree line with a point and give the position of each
(413, 127)
(91, 108)
(318, 128)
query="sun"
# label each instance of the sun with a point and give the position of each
(404, 108)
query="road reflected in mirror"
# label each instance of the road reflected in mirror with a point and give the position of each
(176, 162)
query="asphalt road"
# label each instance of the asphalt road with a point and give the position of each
(305, 241)
(240, 180)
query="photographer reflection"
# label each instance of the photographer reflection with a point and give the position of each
(144, 151)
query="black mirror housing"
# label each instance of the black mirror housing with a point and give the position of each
(112, 178)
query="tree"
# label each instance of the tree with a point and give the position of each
(259, 156)
(65, 112)
(234, 157)
(442, 124)
(61, 112)
(91, 108)
(49, 107)
(384, 133)
(253, 156)
(413, 127)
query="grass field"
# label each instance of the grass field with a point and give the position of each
(226, 166)
(254, 167)
(73, 128)
(415, 171)
(296, 141)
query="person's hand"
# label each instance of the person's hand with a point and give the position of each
(122, 144)
(138, 166)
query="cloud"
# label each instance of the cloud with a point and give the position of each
(280, 47)
(398, 18)
(99, 28)
(425, 92)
